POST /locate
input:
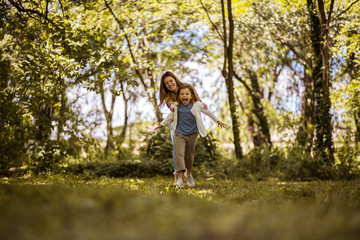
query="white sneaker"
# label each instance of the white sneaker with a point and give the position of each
(190, 180)
(179, 183)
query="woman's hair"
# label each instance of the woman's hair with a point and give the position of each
(192, 91)
(164, 93)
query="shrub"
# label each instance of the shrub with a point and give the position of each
(260, 162)
(133, 168)
(299, 164)
(158, 145)
(45, 157)
(348, 165)
(290, 163)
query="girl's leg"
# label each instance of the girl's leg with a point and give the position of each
(190, 152)
(189, 158)
(180, 174)
(181, 142)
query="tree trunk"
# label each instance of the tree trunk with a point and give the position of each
(126, 116)
(110, 145)
(306, 133)
(122, 135)
(320, 76)
(258, 109)
(43, 122)
(228, 73)
(253, 133)
(153, 98)
(357, 133)
(63, 100)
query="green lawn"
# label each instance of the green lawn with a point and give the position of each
(69, 207)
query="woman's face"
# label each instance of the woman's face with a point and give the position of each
(170, 84)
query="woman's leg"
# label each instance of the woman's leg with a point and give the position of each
(174, 150)
(173, 145)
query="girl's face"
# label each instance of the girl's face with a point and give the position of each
(185, 96)
(170, 84)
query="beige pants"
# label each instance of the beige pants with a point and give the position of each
(185, 150)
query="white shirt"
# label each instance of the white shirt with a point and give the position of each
(196, 111)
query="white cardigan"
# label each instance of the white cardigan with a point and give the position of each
(196, 111)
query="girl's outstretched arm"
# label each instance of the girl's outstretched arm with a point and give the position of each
(166, 121)
(158, 127)
(221, 124)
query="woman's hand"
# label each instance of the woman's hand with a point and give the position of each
(221, 124)
(158, 127)
(205, 106)
(172, 107)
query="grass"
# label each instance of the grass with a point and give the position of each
(73, 207)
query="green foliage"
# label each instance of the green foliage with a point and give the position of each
(349, 162)
(261, 162)
(131, 168)
(40, 59)
(45, 157)
(206, 152)
(12, 134)
(293, 163)
(158, 146)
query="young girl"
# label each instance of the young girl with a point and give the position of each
(169, 85)
(187, 124)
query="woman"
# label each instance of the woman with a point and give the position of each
(169, 84)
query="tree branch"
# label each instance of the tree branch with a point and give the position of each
(128, 43)
(347, 9)
(212, 23)
(243, 82)
(62, 8)
(225, 42)
(46, 10)
(32, 13)
(330, 10)
(322, 11)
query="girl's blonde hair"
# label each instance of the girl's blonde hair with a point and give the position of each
(192, 91)
(164, 93)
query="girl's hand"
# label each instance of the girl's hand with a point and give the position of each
(221, 124)
(205, 106)
(157, 127)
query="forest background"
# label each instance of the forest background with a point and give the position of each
(80, 80)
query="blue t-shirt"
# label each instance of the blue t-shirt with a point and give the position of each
(186, 122)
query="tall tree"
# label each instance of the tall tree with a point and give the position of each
(228, 67)
(347, 45)
(228, 73)
(289, 29)
(320, 27)
(109, 113)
